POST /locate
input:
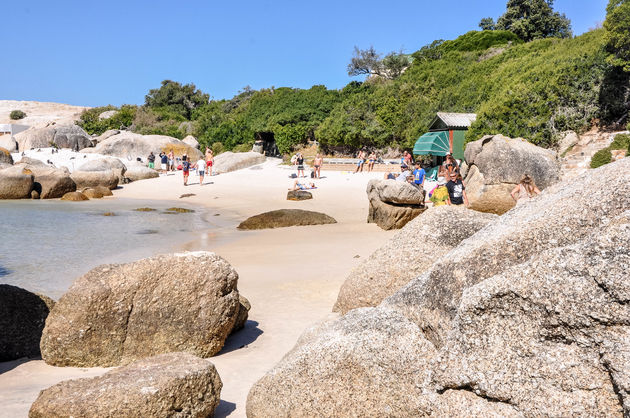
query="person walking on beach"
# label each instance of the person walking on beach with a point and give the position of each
(209, 161)
(300, 164)
(525, 190)
(456, 191)
(317, 165)
(185, 168)
(171, 160)
(201, 170)
(151, 160)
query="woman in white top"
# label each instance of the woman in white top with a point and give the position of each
(525, 190)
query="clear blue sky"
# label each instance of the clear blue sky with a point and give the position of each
(95, 53)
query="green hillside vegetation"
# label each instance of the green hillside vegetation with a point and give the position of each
(533, 90)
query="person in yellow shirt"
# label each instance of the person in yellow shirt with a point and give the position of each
(440, 194)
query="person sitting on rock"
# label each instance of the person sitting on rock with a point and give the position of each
(525, 190)
(402, 176)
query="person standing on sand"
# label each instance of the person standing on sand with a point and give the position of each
(201, 170)
(151, 160)
(209, 161)
(185, 168)
(456, 191)
(300, 164)
(525, 190)
(171, 161)
(164, 162)
(317, 165)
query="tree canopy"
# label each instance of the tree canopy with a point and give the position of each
(531, 19)
(617, 27)
(175, 97)
(368, 62)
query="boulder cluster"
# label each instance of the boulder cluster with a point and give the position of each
(157, 318)
(527, 316)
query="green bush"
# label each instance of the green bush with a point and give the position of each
(17, 114)
(243, 148)
(601, 157)
(92, 124)
(621, 141)
(217, 148)
(480, 40)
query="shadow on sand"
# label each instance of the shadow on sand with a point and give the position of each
(224, 409)
(241, 338)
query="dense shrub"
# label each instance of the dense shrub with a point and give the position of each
(17, 114)
(601, 157)
(92, 124)
(480, 40)
(621, 141)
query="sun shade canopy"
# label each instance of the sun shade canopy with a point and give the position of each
(432, 143)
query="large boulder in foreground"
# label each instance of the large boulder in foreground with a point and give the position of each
(22, 317)
(393, 203)
(49, 182)
(530, 316)
(115, 314)
(408, 254)
(496, 165)
(285, 217)
(60, 136)
(130, 146)
(85, 179)
(105, 164)
(15, 183)
(139, 171)
(232, 161)
(166, 385)
(5, 156)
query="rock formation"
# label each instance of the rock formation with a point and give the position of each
(496, 165)
(74, 197)
(530, 316)
(60, 136)
(393, 203)
(93, 193)
(230, 161)
(105, 178)
(118, 313)
(22, 317)
(7, 142)
(408, 254)
(15, 183)
(285, 217)
(191, 141)
(104, 164)
(49, 182)
(166, 385)
(139, 171)
(299, 195)
(131, 145)
(5, 156)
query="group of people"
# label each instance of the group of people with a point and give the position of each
(370, 160)
(298, 160)
(167, 163)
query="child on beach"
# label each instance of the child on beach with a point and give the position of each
(185, 169)
(201, 170)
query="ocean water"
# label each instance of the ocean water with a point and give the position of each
(45, 245)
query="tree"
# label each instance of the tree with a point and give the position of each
(617, 27)
(487, 23)
(175, 97)
(369, 62)
(534, 19)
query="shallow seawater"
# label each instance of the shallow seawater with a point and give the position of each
(46, 245)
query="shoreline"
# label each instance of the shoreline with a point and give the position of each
(290, 275)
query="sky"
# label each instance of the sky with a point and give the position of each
(94, 53)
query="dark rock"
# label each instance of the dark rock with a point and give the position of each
(74, 197)
(285, 217)
(299, 195)
(22, 317)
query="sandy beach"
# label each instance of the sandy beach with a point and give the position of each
(291, 276)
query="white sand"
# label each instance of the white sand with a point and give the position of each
(290, 275)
